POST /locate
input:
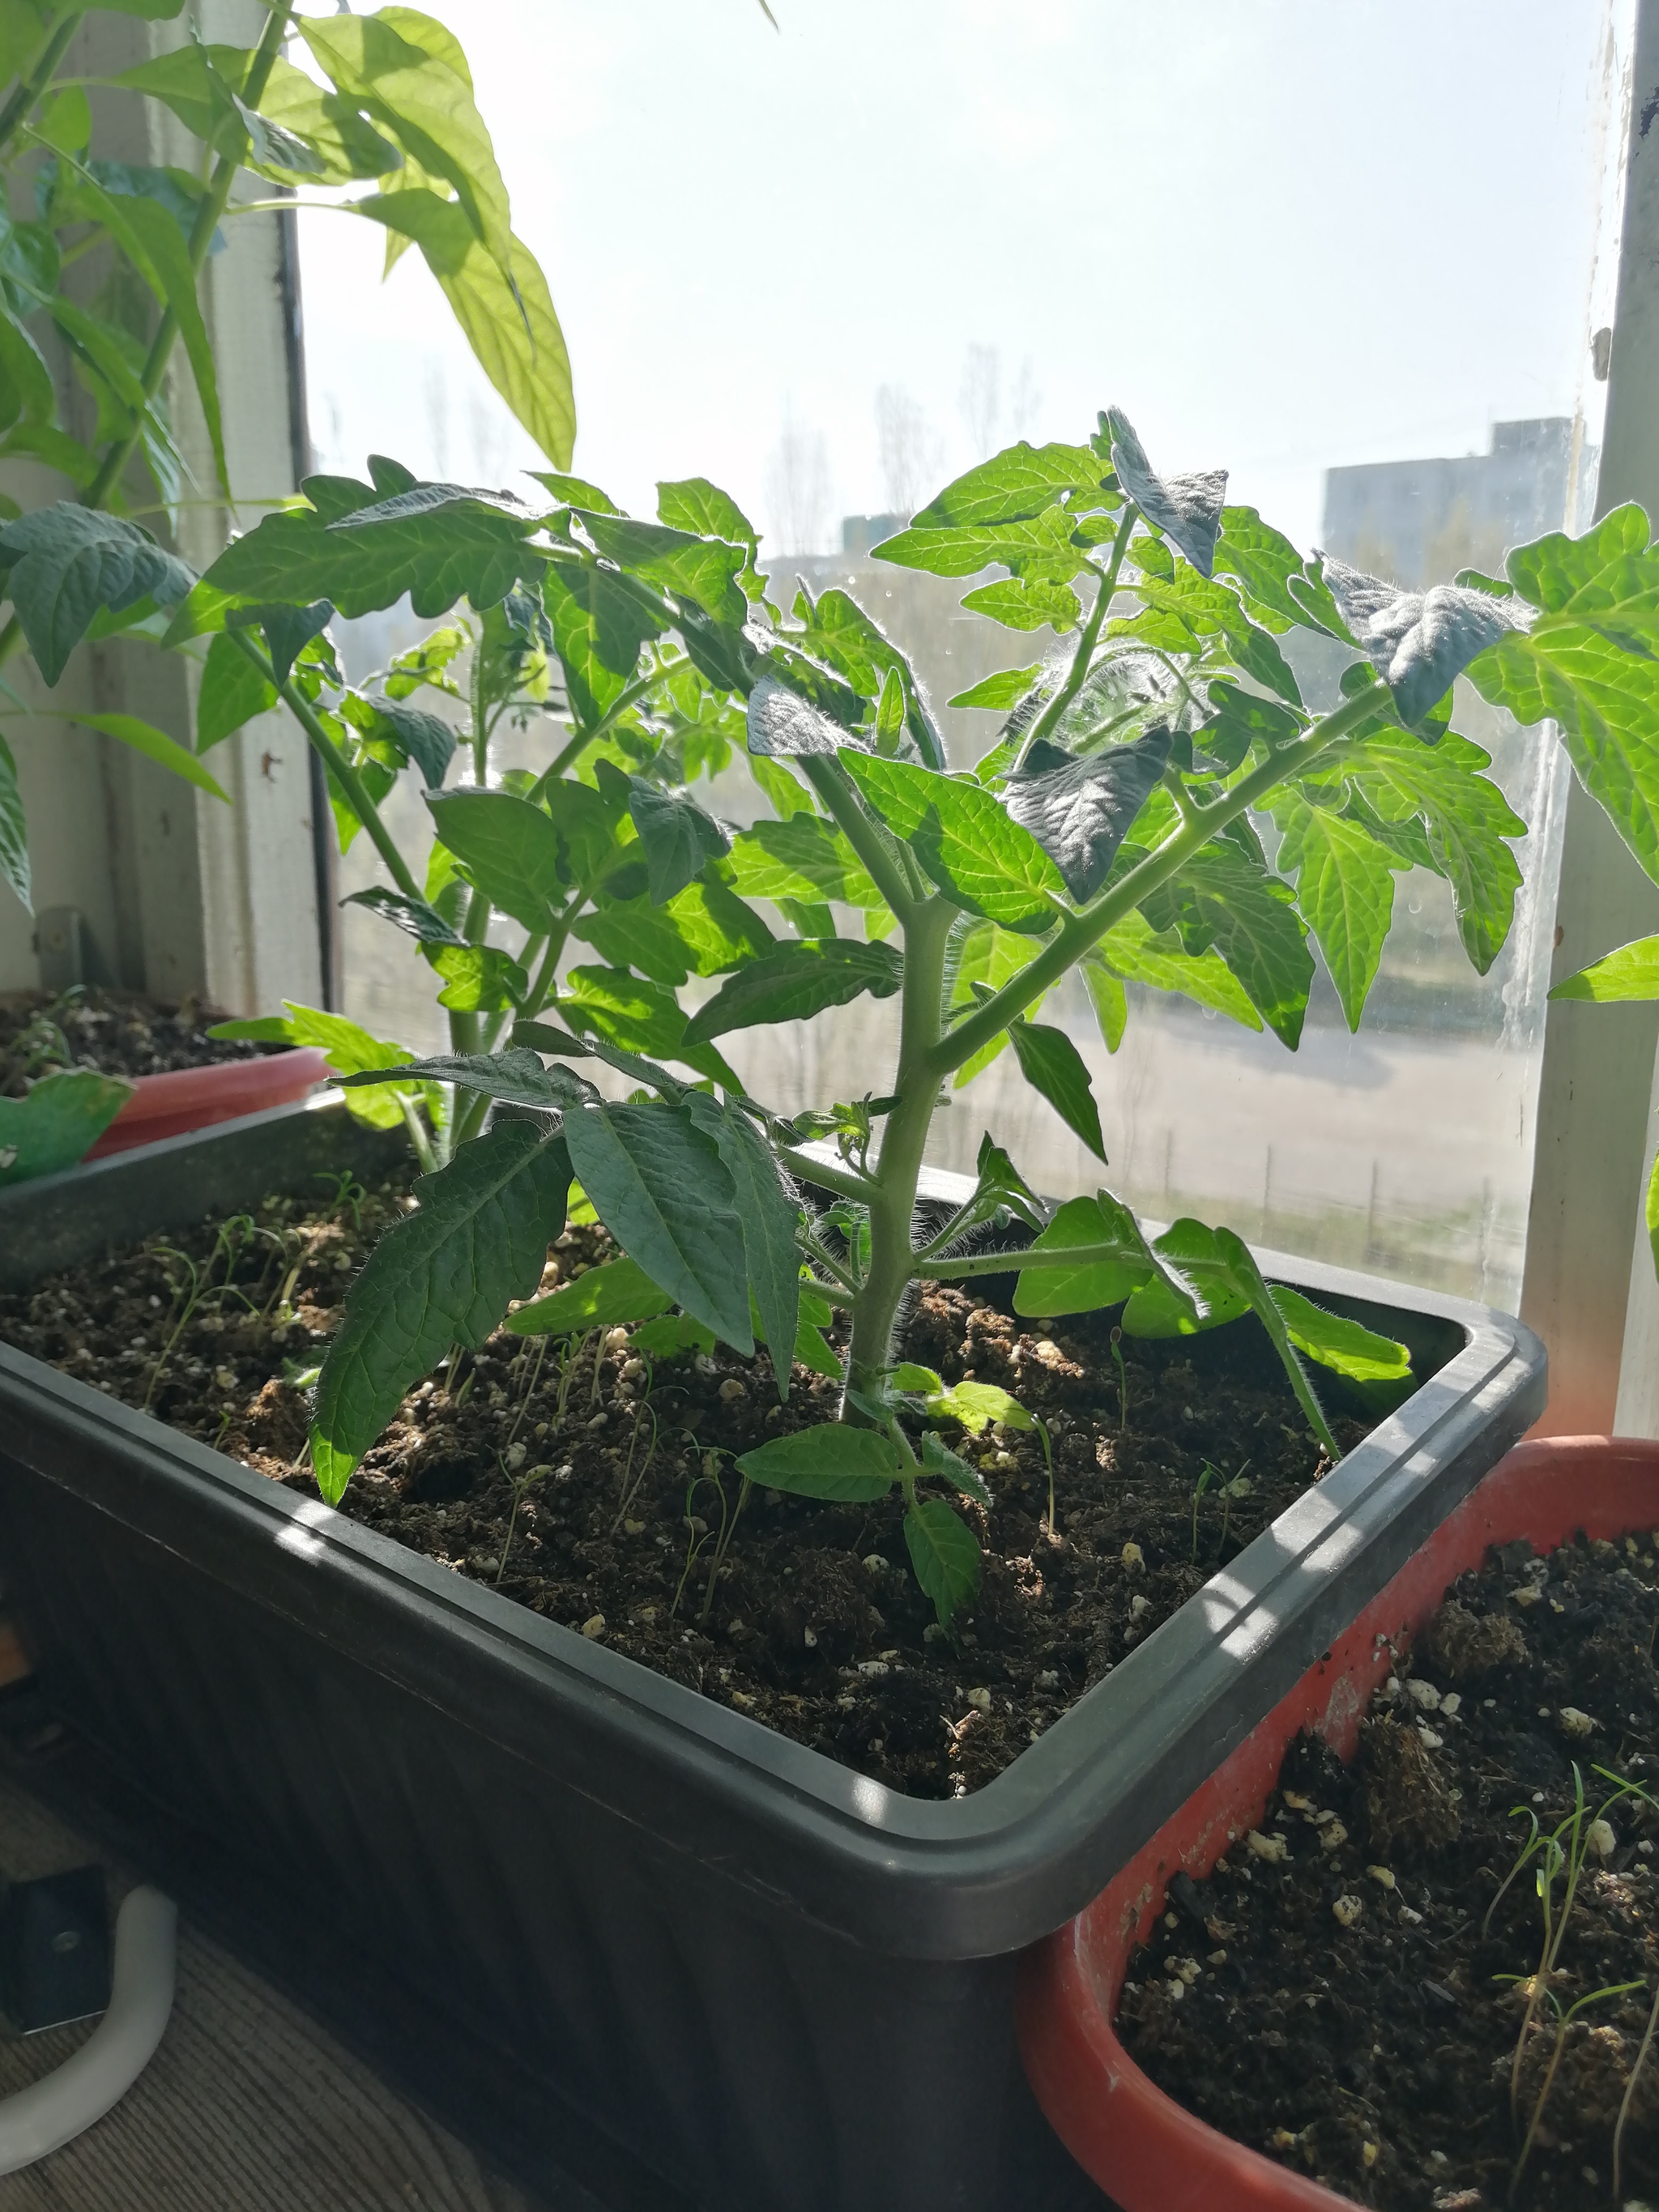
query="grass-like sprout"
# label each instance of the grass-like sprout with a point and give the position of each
(728, 1526)
(1047, 1441)
(347, 1196)
(193, 1286)
(1564, 2016)
(1122, 1383)
(1625, 2102)
(1203, 1483)
(1226, 1491)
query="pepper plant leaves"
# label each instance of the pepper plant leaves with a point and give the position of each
(1418, 642)
(506, 311)
(443, 1275)
(796, 982)
(989, 863)
(945, 1553)
(768, 1214)
(660, 1186)
(1631, 972)
(1344, 888)
(1017, 483)
(1080, 811)
(63, 564)
(1056, 1069)
(1187, 509)
(616, 1291)
(832, 1462)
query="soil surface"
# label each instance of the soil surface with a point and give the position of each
(580, 1480)
(117, 1032)
(1344, 1994)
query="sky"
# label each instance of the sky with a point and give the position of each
(1280, 233)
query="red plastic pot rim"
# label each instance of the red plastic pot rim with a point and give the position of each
(1141, 2148)
(188, 1098)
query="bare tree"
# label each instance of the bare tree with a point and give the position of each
(797, 489)
(491, 438)
(909, 451)
(982, 397)
(435, 391)
(1024, 400)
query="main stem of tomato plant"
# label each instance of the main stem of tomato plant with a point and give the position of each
(928, 1052)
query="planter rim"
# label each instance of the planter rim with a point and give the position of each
(975, 1876)
(197, 1098)
(1132, 2138)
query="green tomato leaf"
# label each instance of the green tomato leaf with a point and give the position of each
(478, 978)
(679, 839)
(445, 1274)
(1418, 642)
(937, 1458)
(703, 569)
(987, 863)
(425, 739)
(1225, 899)
(1080, 811)
(801, 858)
(61, 565)
(599, 624)
(1185, 509)
(57, 1121)
(414, 916)
(1341, 1344)
(638, 1017)
(1001, 691)
(1344, 888)
(1240, 1263)
(1056, 1069)
(945, 1553)
(841, 633)
(781, 724)
(1017, 483)
(671, 1336)
(511, 850)
(832, 1461)
(349, 1048)
(605, 1297)
(1018, 603)
(660, 1186)
(976, 1405)
(797, 982)
(1040, 549)
(1193, 1263)
(696, 507)
(1109, 998)
(1113, 1260)
(515, 1076)
(1263, 562)
(768, 1214)
(1631, 972)
(1134, 951)
(287, 630)
(233, 692)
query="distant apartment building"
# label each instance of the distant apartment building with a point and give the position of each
(1419, 522)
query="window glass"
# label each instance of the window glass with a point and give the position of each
(1356, 255)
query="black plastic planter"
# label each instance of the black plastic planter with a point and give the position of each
(771, 1984)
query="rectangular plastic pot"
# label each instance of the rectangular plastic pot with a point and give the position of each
(1149, 2154)
(781, 1987)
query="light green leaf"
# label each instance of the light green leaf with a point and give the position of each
(155, 744)
(350, 1049)
(1263, 562)
(1191, 1259)
(673, 1335)
(679, 840)
(154, 243)
(803, 858)
(704, 510)
(1240, 1263)
(1040, 548)
(976, 1405)
(26, 386)
(703, 569)
(1224, 898)
(1001, 691)
(507, 319)
(1028, 602)
(959, 832)
(478, 978)
(1344, 888)
(1134, 950)
(341, 139)
(1056, 1069)
(1109, 998)
(443, 1275)
(660, 1187)
(1631, 972)
(604, 1297)
(638, 1017)
(945, 1553)
(57, 1121)
(833, 1462)
(1341, 1344)
(515, 1076)
(769, 1215)
(13, 830)
(1018, 483)
(796, 982)
(600, 623)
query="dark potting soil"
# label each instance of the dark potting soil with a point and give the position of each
(117, 1032)
(1342, 1994)
(591, 1488)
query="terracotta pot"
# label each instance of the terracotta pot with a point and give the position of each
(188, 1098)
(1143, 2148)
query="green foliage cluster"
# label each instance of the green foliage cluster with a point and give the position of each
(1115, 827)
